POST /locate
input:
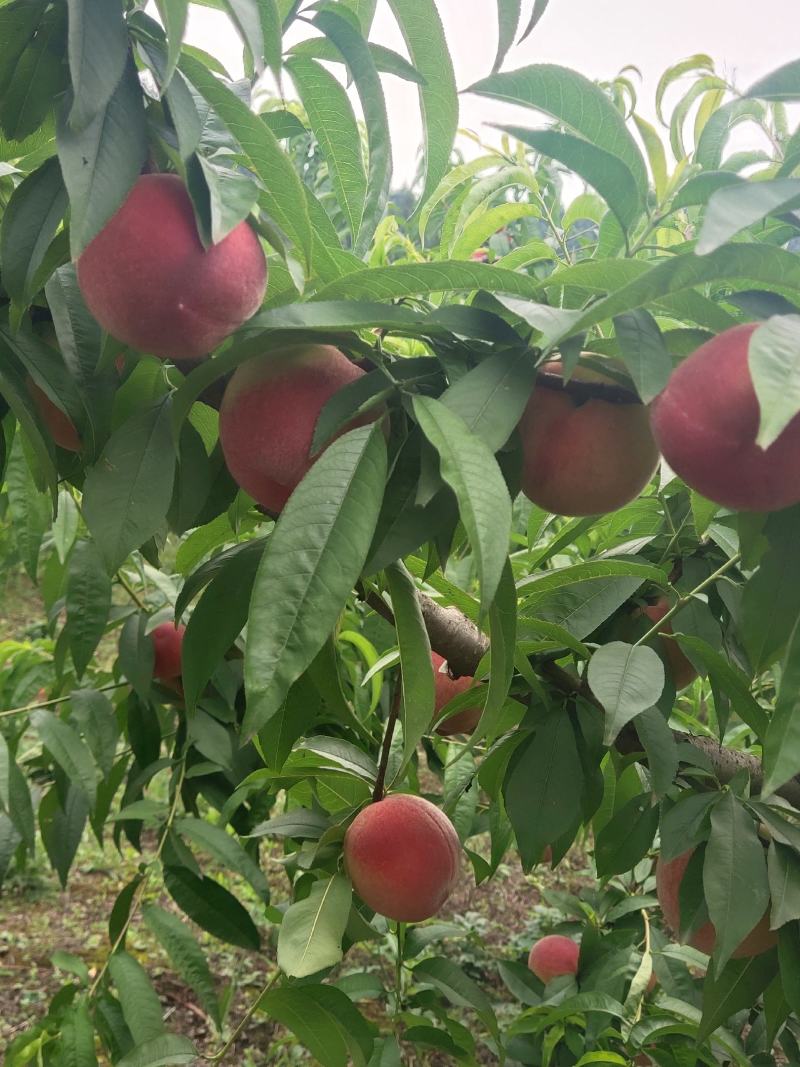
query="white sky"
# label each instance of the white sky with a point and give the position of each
(746, 39)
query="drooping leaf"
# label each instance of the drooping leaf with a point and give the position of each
(225, 849)
(68, 750)
(783, 868)
(644, 352)
(88, 603)
(310, 936)
(325, 1021)
(212, 907)
(508, 14)
(737, 987)
(737, 206)
(626, 679)
(311, 563)
(160, 1051)
(98, 46)
(140, 1004)
(186, 956)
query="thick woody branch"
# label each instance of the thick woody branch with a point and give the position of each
(461, 643)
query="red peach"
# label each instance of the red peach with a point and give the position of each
(269, 412)
(167, 641)
(706, 421)
(59, 424)
(681, 669)
(402, 855)
(584, 458)
(669, 875)
(447, 688)
(553, 956)
(148, 280)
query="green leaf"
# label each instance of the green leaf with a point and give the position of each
(415, 657)
(770, 605)
(783, 868)
(627, 680)
(173, 15)
(218, 618)
(333, 123)
(740, 205)
(38, 78)
(398, 280)
(572, 99)
(697, 62)
(15, 796)
(88, 603)
(730, 680)
(604, 171)
(140, 1004)
(128, 491)
(324, 1020)
(213, 908)
(660, 748)
(539, 8)
(311, 563)
(186, 957)
(772, 361)
(644, 352)
(101, 162)
(301, 824)
(98, 46)
(16, 395)
(225, 849)
(77, 1038)
(283, 197)
(477, 231)
(738, 987)
(780, 84)
(424, 36)
(30, 509)
(62, 828)
(459, 989)
(30, 221)
(734, 877)
(789, 957)
(310, 936)
(344, 754)
(161, 1051)
(471, 471)
(231, 196)
(503, 632)
(782, 738)
(508, 14)
(712, 141)
(627, 837)
(68, 750)
(544, 776)
(492, 397)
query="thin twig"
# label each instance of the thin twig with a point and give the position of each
(131, 591)
(682, 601)
(215, 1057)
(54, 700)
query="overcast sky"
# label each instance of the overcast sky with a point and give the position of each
(746, 39)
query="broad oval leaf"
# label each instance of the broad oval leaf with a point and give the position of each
(310, 936)
(626, 679)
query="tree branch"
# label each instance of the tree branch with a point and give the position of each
(461, 643)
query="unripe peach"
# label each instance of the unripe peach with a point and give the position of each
(669, 875)
(148, 280)
(268, 415)
(583, 456)
(402, 855)
(553, 956)
(167, 641)
(60, 426)
(447, 688)
(706, 422)
(681, 669)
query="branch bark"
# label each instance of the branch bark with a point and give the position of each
(458, 640)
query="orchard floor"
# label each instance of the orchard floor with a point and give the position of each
(500, 919)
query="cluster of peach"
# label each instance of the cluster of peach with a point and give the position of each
(588, 447)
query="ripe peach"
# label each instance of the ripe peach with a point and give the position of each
(149, 281)
(681, 670)
(669, 875)
(583, 456)
(268, 415)
(57, 422)
(402, 855)
(167, 640)
(706, 422)
(447, 688)
(553, 956)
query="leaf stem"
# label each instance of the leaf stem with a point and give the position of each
(682, 601)
(215, 1057)
(54, 700)
(139, 893)
(377, 793)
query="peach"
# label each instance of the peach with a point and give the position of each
(402, 855)
(268, 415)
(706, 422)
(583, 455)
(669, 875)
(167, 641)
(59, 424)
(553, 956)
(681, 669)
(447, 688)
(148, 280)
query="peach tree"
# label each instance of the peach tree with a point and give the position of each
(400, 545)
